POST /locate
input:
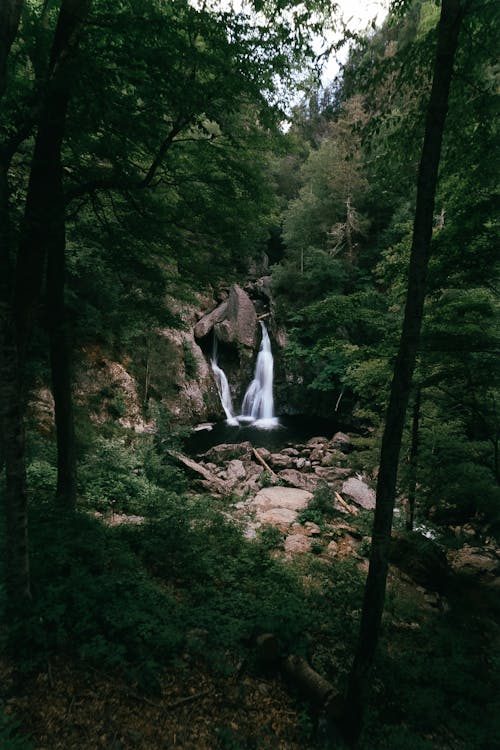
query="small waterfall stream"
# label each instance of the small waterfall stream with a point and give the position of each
(258, 402)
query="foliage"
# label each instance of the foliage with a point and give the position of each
(10, 739)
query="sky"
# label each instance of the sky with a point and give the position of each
(357, 15)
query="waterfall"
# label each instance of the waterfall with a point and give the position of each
(223, 387)
(258, 403)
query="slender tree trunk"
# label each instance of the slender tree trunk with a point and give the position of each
(359, 680)
(412, 483)
(43, 240)
(12, 454)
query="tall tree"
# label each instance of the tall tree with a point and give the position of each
(452, 12)
(11, 417)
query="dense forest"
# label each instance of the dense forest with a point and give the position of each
(176, 180)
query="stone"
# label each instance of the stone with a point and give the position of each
(332, 548)
(279, 461)
(239, 325)
(312, 529)
(297, 543)
(281, 497)
(207, 322)
(341, 440)
(331, 473)
(235, 470)
(290, 452)
(301, 463)
(314, 442)
(317, 454)
(359, 492)
(227, 451)
(298, 479)
(280, 517)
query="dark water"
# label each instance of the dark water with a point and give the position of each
(291, 430)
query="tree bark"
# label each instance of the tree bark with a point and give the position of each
(373, 604)
(412, 481)
(44, 240)
(12, 454)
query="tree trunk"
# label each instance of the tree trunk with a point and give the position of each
(43, 239)
(12, 454)
(10, 13)
(412, 482)
(373, 604)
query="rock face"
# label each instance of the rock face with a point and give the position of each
(234, 321)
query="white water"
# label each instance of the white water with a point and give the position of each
(223, 388)
(258, 402)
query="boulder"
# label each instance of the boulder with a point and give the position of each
(279, 461)
(280, 517)
(239, 324)
(315, 442)
(296, 478)
(205, 325)
(359, 492)
(281, 497)
(341, 441)
(331, 473)
(235, 471)
(227, 451)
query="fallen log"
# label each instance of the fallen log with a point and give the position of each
(349, 508)
(324, 697)
(264, 463)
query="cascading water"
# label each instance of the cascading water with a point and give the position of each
(258, 402)
(224, 393)
(223, 387)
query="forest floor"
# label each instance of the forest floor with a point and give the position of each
(70, 708)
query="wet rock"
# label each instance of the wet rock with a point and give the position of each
(359, 492)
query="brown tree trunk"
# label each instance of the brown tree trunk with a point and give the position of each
(412, 481)
(359, 680)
